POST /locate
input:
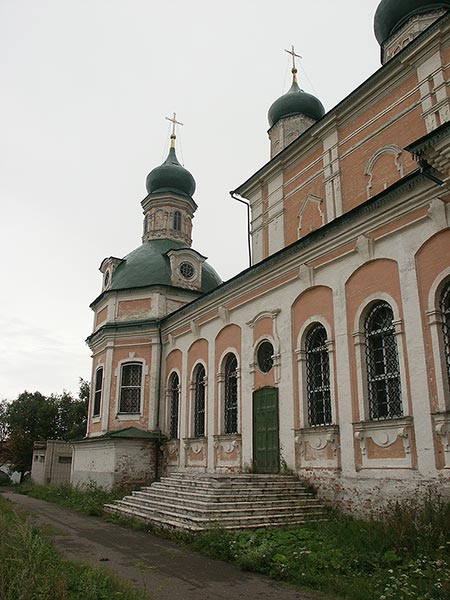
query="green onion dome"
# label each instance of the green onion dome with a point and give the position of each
(295, 102)
(171, 176)
(149, 265)
(391, 15)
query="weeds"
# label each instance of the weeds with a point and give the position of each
(88, 499)
(30, 568)
(402, 554)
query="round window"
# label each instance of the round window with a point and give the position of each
(187, 270)
(264, 356)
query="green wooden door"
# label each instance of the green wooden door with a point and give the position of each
(266, 442)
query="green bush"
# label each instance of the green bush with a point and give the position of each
(4, 479)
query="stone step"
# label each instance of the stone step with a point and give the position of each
(241, 508)
(215, 502)
(198, 522)
(199, 502)
(226, 495)
(234, 487)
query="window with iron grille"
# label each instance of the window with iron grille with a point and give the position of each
(383, 370)
(318, 377)
(231, 395)
(174, 396)
(177, 220)
(98, 391)
(130, 388)
(199, 401)
(445, 310)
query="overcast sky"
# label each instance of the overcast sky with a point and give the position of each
(85, 89)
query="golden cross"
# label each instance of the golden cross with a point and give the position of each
(174, 122)
(292, 52)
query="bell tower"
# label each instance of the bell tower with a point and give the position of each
(169, 207)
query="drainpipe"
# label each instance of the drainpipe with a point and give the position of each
(249, 232)
(429, 172)
(158, 400)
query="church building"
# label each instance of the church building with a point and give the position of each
(328, 358)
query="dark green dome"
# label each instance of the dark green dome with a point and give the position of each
(295, 102)
(149, 265)
(170, 177)
(392, 14)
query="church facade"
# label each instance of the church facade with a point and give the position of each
(330, 356)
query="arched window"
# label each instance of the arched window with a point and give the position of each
(97, 391)
(199, 401)
(130, 388)
(383, 371)
(174, 399)
(318, 377)
(177, 220)
(231, 395)
(445, 311)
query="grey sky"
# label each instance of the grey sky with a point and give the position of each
(85, 87)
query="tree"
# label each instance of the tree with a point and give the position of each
(32, 417)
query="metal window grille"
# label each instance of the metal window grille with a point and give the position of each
(231, 395)
(174, 392)
(318, 377)
(264, 356)
(383, 371)
(130, 388)
(199, 402)
(177, 220)
(445, 310)
(98, 391)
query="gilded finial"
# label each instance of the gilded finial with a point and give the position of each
(294, 68)
(174, 122)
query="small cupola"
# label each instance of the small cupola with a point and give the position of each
(171, 176)
(398, 22)
(292, 114)
(169, 207)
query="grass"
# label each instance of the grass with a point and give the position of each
(88, 499)
(403, 554)
(30, 569)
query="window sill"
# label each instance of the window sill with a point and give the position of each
(128, 416)
(395, 422)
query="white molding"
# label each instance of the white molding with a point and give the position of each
(300, 352)
(220, 400)
(359, 342)
(437, 341)
(118, 374)
(389, 149)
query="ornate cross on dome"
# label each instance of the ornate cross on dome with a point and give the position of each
(294, 68)
(174, 122)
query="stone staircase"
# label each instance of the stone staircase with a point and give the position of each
(197, 502)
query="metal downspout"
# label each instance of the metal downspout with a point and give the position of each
(249, 232)
(158, 401)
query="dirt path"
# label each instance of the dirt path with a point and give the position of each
(165, 570)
